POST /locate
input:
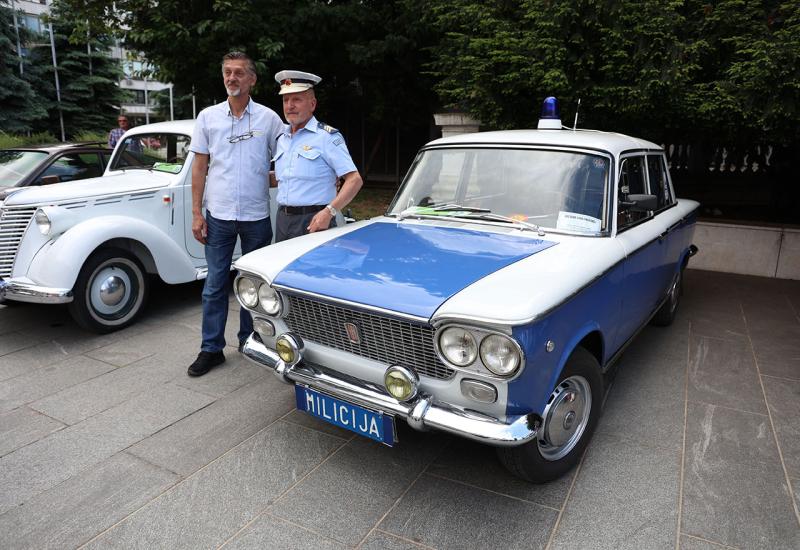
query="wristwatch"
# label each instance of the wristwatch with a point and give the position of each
(332, 210)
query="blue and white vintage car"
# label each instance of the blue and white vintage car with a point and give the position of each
(506, 278)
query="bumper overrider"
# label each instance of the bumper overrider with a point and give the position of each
(422, 412)
(22, 291)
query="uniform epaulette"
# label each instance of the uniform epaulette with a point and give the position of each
(329, 129)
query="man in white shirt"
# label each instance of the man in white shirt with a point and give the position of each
(233, 143)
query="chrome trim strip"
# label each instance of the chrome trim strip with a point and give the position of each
(354, 305)
(27, 292)
(421, 413)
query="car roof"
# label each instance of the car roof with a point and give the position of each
(169, 127)
(586, 139)
(59, 147)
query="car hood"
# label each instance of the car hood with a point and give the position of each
(115, 183)
(438, 270)
(406, 268)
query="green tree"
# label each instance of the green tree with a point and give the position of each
(20, 108)
(88, 77)
(727, 69)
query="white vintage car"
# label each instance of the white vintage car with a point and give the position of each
(95, 243)
(507, 277)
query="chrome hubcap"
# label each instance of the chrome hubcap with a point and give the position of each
(565, 417)
(110, 290)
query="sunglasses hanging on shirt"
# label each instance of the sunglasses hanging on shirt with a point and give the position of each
(241, 137)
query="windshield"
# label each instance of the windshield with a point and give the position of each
(558, 190)
(16, 165)
(163, 152)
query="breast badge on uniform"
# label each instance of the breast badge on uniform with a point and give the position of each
(306, 147)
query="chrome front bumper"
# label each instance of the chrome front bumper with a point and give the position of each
(422, 413)
(28, 292)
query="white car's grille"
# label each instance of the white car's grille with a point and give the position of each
(390, 341)
(14, 221)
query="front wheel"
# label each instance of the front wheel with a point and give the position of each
(568, 422)
(110, 291)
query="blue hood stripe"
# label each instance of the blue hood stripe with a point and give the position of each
(408, 268)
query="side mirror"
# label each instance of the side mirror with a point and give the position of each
(640, 203)
(47, 180)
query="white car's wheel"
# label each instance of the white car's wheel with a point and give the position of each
(110, 291)
(567, 423)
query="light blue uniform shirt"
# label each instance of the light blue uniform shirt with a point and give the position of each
(237, 187)
(308, 164)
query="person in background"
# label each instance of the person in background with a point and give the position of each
(116, 133)
(310, 159)
(233, 143)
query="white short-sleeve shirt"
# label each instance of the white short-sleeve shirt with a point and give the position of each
(237, 186)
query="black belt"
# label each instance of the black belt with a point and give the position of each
(313, 209)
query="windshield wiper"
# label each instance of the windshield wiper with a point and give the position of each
(421, 212)
(139, 167)
(452, 207)
(500, 218)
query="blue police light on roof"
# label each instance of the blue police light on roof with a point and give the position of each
(551, 115)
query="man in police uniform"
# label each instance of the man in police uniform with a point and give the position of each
(311, 157)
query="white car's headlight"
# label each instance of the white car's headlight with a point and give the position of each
(42, 221)
(247, 291)
(500, 354)
(269, 299)
(458, 346)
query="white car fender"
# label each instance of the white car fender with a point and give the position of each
(58, 264)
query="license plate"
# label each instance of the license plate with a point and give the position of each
(372, 424)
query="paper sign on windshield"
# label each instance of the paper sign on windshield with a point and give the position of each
(570, 221)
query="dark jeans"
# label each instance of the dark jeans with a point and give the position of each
(220, 243)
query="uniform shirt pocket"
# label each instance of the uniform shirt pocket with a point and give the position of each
(310, 164)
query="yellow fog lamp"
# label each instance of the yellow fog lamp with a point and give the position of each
(401, 383)
(289, 347)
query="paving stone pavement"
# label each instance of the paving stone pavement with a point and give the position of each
(106, 443)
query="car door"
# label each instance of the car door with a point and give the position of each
(671, 243)
(639, 234)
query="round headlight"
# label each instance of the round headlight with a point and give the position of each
(269, 300)
(401, 383)
(500, 354)
(248, 294)
(42, 221)
(458, 346)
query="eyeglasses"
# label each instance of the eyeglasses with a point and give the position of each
(241, 137)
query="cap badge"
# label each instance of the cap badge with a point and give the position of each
(286, 82)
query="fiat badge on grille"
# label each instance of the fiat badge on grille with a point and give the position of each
(352, 333)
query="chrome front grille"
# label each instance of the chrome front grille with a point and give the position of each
(385, 339)
(14, 221)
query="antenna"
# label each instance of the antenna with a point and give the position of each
(575, 124)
